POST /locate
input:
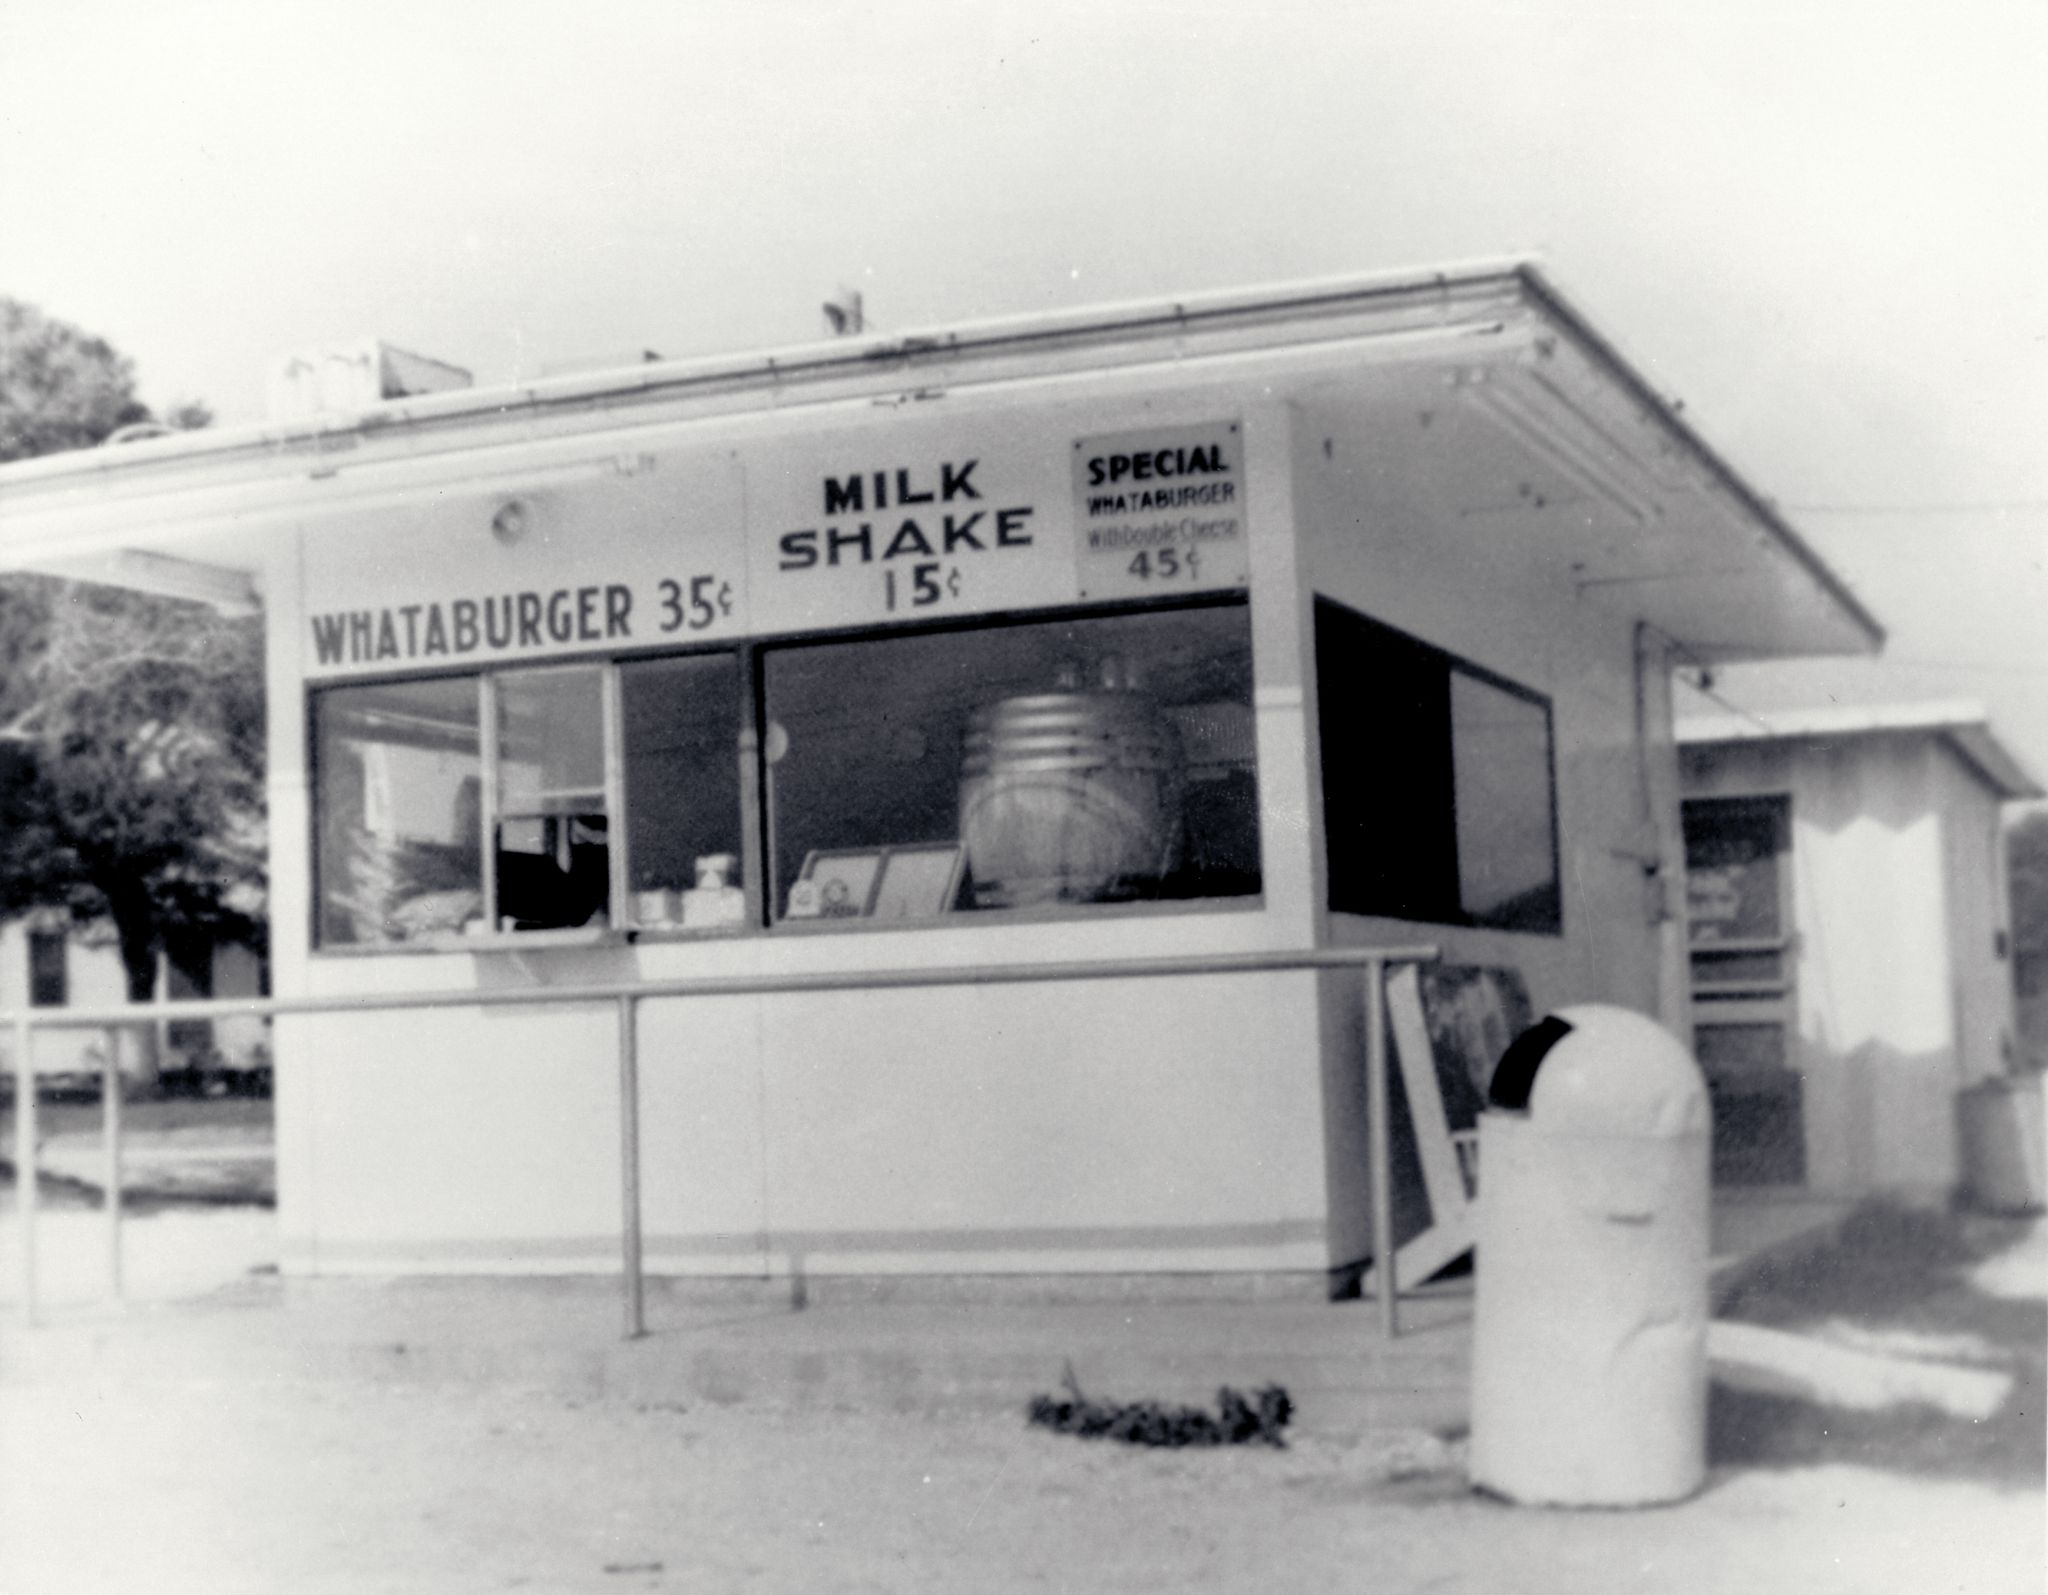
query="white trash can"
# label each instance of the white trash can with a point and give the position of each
(1589, 1343)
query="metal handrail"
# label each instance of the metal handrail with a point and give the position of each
(625, 996)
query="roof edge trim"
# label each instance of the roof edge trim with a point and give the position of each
(1603, 351)
(905, 352)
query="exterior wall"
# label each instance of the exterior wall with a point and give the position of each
(1106, 1125)
(1196, 1124)
(1399, 562)
(1979, 920)
(1188, 1125)
(1877, 963)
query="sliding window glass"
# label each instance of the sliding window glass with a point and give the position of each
(498, 804)
(685, 848)
(552, 813)
(1076, 760)
(1439, 799)
(399, 804)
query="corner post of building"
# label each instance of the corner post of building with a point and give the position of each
(110, 1122)
(25, 1161)
(629, 1165)
(1381, 1166)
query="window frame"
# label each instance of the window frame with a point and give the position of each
(1452, 665)
(756, 816)
(490, 688)
(759, 649)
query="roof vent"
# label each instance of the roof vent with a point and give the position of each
(354, 376)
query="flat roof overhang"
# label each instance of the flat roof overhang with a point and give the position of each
(1963, 725)
(1488, 406)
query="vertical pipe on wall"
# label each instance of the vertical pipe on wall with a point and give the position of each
(25, 1164)
(1660, 805)
(619, 878)
(1381, 1159)
(110, 1119)
(487, 788)
(629, 1167)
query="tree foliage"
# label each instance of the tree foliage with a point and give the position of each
(60, 388)
(134, 723)
(142, 806)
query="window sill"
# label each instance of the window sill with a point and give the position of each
(1045, 914)
(511, 941)
(520, 941)
(613, 936)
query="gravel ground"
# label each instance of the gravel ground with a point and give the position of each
(225, 1483)
(220, 1488)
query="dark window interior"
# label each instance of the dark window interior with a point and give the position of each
(49, 985)
(1438, 788)
(1081, 759)
(1077, 758)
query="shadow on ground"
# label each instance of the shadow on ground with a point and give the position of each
(184, 1152)
(1907, 1281)
(150, 1192)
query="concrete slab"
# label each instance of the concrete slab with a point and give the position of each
(206, 1280)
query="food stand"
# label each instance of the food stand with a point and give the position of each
(1295, 618)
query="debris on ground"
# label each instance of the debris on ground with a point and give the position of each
(1238, 1420)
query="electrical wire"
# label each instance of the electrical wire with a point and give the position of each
(1992, 506)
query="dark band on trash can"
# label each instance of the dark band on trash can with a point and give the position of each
(1514, 1077)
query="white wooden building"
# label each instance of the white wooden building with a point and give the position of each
(1850, 939)
(728, 667)
(48, 963)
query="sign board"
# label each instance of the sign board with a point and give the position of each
(883, 526)
(1160, 512)
(651, 553)
(862, 528)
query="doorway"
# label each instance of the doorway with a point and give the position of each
(1741, 941)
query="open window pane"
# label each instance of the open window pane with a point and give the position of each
(553, 831)
(1438, 798)
(1507, 858)
(399, 805)
(682, 790)
(1075, 760)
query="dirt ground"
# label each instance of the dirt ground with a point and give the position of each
(224, 1489)
(227, 1483)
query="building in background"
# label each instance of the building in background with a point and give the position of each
(47, 962)
(1849, 937)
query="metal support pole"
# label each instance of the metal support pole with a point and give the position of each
(1381, 1157)
(25, 1164)
(110, 1122)
(629, 1166)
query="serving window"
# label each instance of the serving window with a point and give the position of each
(1074, 760)
(1439, 794)
(398, 797)
(567, 797)
(1067, 761)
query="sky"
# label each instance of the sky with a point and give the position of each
(1823, 227)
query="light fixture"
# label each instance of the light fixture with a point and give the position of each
(512, 522)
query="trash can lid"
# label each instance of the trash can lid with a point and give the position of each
(1619, 1073)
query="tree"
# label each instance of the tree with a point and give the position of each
(59, 388)
(142, 807)
(134, 723)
